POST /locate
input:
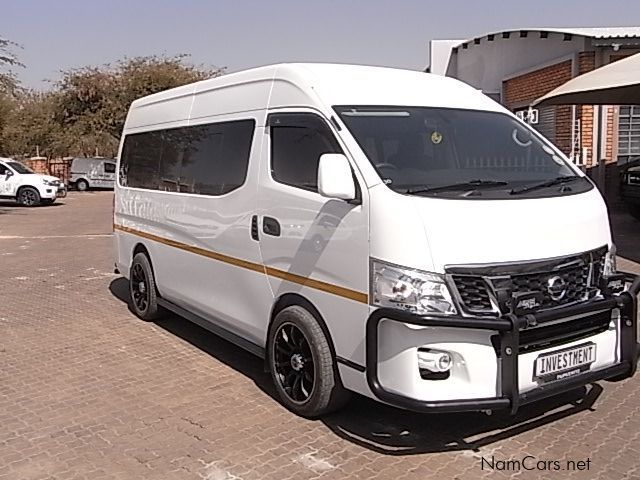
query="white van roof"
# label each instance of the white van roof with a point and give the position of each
(316, 85)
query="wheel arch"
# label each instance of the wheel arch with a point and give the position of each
(140, 247)
(291, 299)
(27, 185)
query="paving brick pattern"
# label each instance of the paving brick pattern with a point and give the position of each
(88, 391)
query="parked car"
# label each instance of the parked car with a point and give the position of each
(18, 182)
(630, 188)
(86, 173)
(392, 233)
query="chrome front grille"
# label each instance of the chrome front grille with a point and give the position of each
(488, 288)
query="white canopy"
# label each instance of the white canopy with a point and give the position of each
(614, 84)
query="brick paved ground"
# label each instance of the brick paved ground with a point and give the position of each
(89, 391)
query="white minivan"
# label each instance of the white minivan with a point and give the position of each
(386, 232)
(86, 173)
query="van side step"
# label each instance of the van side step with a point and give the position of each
(214, 328)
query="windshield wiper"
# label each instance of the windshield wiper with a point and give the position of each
(470, 185)
(548, 183)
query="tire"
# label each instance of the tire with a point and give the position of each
(28, 197)
(142, 289)
(82, 185)
(302, 366)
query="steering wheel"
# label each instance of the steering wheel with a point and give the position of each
(386, 165)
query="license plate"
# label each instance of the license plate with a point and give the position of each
(564, 363)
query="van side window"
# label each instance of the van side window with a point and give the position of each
(210, 159)
(109, 167)
(140, 156)
(297, 142)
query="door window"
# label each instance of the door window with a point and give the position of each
(3, 171)
(109, 167)
(297, 142)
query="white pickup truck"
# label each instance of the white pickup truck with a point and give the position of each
(18, 182)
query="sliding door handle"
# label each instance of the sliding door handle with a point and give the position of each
(271, 226)
(254, 228)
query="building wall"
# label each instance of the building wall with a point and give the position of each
(486, 64)
(521, 90)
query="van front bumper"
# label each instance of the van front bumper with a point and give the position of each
(509, 327)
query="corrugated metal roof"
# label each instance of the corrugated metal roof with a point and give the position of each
(591, 32)
(595, 32)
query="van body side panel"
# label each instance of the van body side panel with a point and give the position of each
(160, 111)
(201, 248)
(321, 254)
(216, 101)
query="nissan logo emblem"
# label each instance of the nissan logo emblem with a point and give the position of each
(557, 288)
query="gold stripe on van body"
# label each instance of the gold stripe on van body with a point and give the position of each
(256, 267)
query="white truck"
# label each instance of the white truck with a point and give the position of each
(18, 182)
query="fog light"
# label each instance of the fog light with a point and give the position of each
(434, 360)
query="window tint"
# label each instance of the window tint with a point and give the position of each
(297, 142)
(109, 167)
(415, 148)
(206, 159)
(3, 169)
(140, 158)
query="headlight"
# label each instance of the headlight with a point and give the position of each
(50, 183)
(413, 290)
(610, 262)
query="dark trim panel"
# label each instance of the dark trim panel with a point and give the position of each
(350, 364)
(214, 328)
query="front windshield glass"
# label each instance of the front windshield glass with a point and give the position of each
(20, 168)
(421, 149)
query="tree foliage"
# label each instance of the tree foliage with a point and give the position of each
(8, 81)
(85, 112)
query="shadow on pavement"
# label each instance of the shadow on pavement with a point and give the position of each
(392, 431)
(8, 206)
(378, 427)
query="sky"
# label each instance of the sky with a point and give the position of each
(240, 34)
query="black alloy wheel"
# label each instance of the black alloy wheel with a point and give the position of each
(142, 289)
(139, 288)
(29, 197)
(294, 363)
(302, 364)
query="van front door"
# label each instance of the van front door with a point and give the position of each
(312, 246)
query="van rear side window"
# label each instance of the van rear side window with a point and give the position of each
(210, 159)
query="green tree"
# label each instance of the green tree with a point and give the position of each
(93, 101)
(9, 85)
(30, 125)
(8, 81)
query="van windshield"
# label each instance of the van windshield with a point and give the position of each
(452, 152)
(20, 168)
